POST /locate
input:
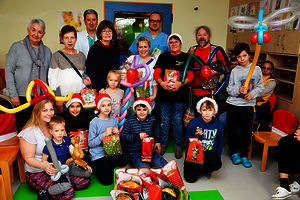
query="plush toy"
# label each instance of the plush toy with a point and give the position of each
(77, 153)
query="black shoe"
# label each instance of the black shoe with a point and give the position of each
(178, 152)
(43, 194)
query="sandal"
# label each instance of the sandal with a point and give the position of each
(246, 162)
(235, 158)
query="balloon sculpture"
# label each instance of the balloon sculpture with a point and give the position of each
(261, 34)
(132, 75)
(32, 87)
(205, 69)
(61, 169)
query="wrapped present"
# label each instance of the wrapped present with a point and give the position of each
(147, 149)
(122, 195)
(195, 152)
(129, 183)
(83, 134)
(112, 145)
(88, 96)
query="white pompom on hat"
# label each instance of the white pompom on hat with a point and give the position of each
(75, 98)
(199, 104)
(99, 99)
(175, 34)
(144, 101)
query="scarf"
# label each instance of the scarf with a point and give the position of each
(38, 70)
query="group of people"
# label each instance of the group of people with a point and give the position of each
(91, 57)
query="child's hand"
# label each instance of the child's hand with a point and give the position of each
(199, 132)
(248, 96)
(243, 90)
(102, 91)
(107, 132)
(115, 130)
(89, 169)
(157, 147)
(143, 135)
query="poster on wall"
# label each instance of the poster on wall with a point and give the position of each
(72, 18)
(234, 12)
(276, 5)
(294, 24)
(252, 9)
(242, 12)
(265, 5)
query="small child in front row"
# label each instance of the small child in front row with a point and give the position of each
(101, 126)
(211, 138)
(63, 149)
(241, 101)
(137, 128)
(113, 90)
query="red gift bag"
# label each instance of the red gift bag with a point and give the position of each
(88, 96)
(195, 151)
(83, 134)
(147, 148)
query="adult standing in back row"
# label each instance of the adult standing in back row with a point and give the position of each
(85, 39)
(158, 39)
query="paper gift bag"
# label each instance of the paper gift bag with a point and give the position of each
(143, 90)
(147, 149)
(83, 134)
(112, 145)
(195, 152)
(88, 96)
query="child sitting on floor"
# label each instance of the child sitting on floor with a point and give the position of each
(137, 128)
(211, 138)
(62, 146)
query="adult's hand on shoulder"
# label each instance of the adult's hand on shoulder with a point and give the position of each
(60, 105)
(87, 81)
(15, 100)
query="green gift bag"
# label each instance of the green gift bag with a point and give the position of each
(112, 145)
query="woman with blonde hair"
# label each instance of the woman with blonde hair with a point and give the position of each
(32, 142)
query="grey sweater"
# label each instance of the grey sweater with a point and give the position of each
(237, 78)
(18, 68)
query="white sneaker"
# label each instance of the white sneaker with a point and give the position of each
(281, 193)
(295, 187)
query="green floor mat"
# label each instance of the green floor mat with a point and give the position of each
(206, 195)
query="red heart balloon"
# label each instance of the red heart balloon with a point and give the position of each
(254, 38)
(205, 73)
(132, 75)
(267, 37)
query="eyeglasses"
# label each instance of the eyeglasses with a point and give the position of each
(154, 21)
(266, 68)
(109, 32)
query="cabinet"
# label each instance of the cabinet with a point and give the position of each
(284, 51)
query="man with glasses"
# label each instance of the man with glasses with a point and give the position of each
(158, 39)
(85, 39)
(262, 107)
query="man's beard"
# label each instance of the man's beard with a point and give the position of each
(201, 44)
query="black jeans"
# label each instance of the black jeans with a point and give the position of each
(212, 162)
(239, 121)
(288, 155)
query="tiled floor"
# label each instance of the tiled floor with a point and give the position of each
(233, 182)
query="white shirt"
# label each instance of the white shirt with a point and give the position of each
(82, 43)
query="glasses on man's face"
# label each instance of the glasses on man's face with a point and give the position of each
(154, 21)
(266, 68)
(107, 31)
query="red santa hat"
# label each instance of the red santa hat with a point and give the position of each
(144, 101)
(75, 98)
(99, 99)
(204, 99)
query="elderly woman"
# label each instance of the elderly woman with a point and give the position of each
(32, 142)
(103, 56)
(143, 45)
(67, 67)
(26, 60)
(172, 94)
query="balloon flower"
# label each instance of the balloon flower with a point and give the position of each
(261, 34)
(32, 87)
(205, 70)
(132, 76)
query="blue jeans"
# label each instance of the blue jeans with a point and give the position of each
(171, 111)
(136, 160)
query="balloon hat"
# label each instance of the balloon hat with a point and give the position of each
(261, 34)
(132, 75)
(32, 87)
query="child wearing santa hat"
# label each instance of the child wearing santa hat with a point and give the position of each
(101, 126)
(138, 127)
(209, 130)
